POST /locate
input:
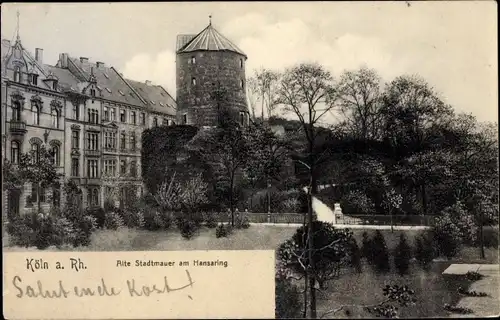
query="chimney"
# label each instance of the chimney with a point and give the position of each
(39, 55)
(100, 64)
(148, 82)
(83, 59)
(63, 60)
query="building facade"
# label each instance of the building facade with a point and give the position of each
(87, 113)
(208, 63)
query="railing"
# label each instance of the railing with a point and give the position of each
(279, 218)
(396, 220)
(89, 152)
(17, 126)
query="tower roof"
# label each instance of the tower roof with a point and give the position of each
(210, 39)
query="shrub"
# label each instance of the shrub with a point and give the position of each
(380, 253)
(156, 220)
(447, 236)
(424, 250)
(290, 205)
(357, 202)
(187, 227)
(132, 218)
(472, 293)
(355, 254)
(83, 230)
(98, 213)
(289, 201)
(210, 219)
(113, 221)
(223, 230)
(288, 302)
(473, 276)
(402, 255)
(459, 310)
(241, 221)
(366, 248)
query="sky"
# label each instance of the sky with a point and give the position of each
(453, 45)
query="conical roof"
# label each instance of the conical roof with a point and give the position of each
(210, 40)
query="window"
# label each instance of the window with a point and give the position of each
(93, 196)
(184, 119)
(16, 111)
(133, 169)
(155, 121)
(241, 63)
(242, 84)
(113, 114)
(93, 115)
(242, 118)
(92, 92)
(132, 117)
(109, 140)
(132, 141)
(193, 60)
(92, 141)
(36, 113)
(17, 74)
(110, 167)
(106, 114)
(193, 81)
(92, 168)
(75, 167)
(33, 79)
(14, 152)
(35, 151)
(55, 155)
(35, 194)
(123, 141)
(54, 85)
(76, 112)
(55, 118)
(122, 115)
(123, 167)
(143, 118)
(75, 139)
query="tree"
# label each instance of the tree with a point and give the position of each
(307, 91)
(263, 87)
(268, 153)
(402, 255)
(331, 253)
(38, 169)
(360, 102)
(380, 253)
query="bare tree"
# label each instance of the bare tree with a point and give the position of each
(307, 90)
(359, 98)
(253, 93)
(263, 88)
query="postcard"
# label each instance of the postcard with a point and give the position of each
(250, 160)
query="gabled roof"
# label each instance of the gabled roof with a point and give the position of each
(210, 40)
(157, 97)
(111, 85)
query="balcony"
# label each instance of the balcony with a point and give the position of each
(92, 153)
(17, 127)
(91, 181)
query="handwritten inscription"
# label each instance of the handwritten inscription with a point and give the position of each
(134, 289)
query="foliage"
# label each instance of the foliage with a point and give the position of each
(223, 230)
(458, 310)
(160, 147)
(282, 201)
(366, 248)
(402, 255)
(400, 295)
(113, 220)
(187, 226)
(473, 276)
(424, 250)
(380, 253)
(288, 304)
(132, 218)
(357, 202)
(331, 251)
(98, 213)
(193, 194)
(155, 219)
(355, 254)
(210, 219)
(167, 196)
(472, 293)
(12, 178)
(242, 221)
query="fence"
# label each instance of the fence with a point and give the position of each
(286, 218)
(396, 220)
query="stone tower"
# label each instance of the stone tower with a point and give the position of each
(207, 63)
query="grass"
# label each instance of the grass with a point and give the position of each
(433, 289)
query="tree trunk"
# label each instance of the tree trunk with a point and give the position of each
(312, 278)
(231, 206)
(481, 238)
(424, 199)
(306, 286)
(268, 194)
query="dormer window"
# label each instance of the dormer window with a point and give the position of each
(92, 92)
(193, 81)
(54, 84)
(17, 74)
(33, 79)
(193, 60)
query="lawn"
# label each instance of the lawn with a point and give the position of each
(433, 290)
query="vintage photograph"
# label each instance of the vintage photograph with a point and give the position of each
(356, 140)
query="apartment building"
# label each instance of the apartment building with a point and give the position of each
(87, 113)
